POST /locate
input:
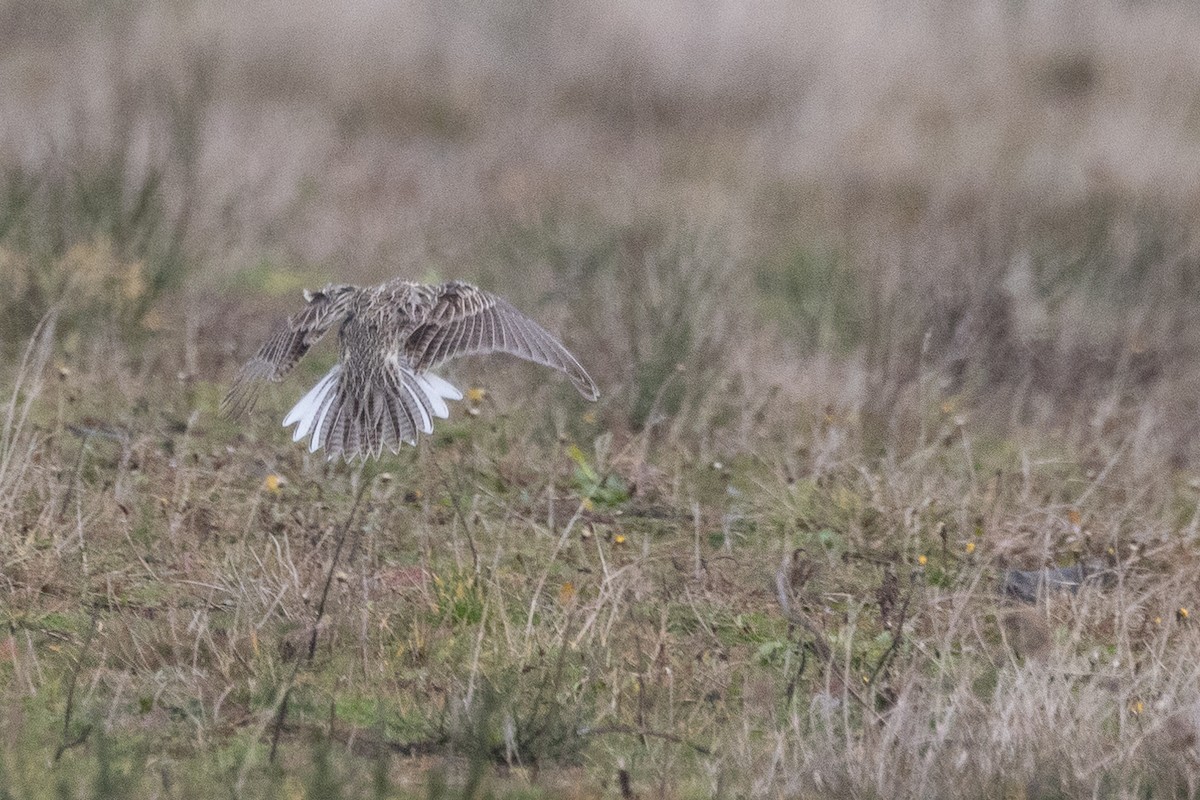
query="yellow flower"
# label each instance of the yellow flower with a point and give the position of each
(1136, 707)
(1181, 614)
(475, 395)
(272, 483)
(566, 593)
(922, 560)
(970, 548)
(619, 539)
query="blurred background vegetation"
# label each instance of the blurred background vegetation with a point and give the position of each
(753, 222)
(835, 201)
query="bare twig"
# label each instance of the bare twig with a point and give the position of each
(341, 541)
(67, 742)
(458, 512)
(797, 619)
(281, 712)
(897, 635)
(75, 476)
(604, 730)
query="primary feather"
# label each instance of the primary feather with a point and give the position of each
(381, 392)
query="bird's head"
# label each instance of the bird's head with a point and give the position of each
(331, 292)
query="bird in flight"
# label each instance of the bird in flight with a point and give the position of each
(381, 392)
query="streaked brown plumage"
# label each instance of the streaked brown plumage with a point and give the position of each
(381, 392)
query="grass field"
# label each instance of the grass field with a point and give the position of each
(882, 302)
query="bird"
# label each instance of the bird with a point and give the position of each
(382, 392)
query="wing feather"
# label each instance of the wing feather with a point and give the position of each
(287, 345)
(466, 320)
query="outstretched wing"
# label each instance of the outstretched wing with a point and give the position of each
(466, 321)
(284, 349)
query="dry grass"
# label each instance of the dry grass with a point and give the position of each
(881, 303)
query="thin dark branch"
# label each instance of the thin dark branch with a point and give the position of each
(312, 639)
(799, 673)
(458, 512)
(361, 742)
(536, 727)
(819, 645)
(644, 732)
(897, 636)
(821, 648)
(67, 742)
(281, 713)
(76, 474)
(626, 785)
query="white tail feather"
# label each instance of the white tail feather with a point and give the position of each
(414, 389)
(427, 392)
(436, 403)
(308, 409)
(312, 422)
(443, 387)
